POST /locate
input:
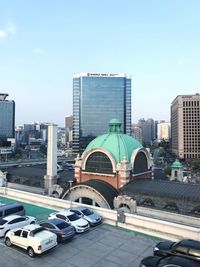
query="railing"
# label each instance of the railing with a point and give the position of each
(151, 226)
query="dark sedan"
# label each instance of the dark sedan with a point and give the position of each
(63, 230)
(170, 261)
(187, 247)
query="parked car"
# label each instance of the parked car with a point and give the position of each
(63, 230)
(92, 217)
(81, 225)
(169, 261)
(14, 221)
(33, 238)
(187, 247)
(8, 209)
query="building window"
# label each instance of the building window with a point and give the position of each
(140, 164)
(171, 207)
(195, 212)
(147, 203)
(99, 162)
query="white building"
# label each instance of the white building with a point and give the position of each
(163, 131)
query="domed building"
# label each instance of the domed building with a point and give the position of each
(115, 158)
(108, 163)
(114, 172)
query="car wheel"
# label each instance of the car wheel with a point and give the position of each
(33, 222)
(8, 242)
(30, 252)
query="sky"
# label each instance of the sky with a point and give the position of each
(44, 42)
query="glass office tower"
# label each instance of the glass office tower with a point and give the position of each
(98, 98)
(7, 119)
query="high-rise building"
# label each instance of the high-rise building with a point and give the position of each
(68, 128)
(97, 98)
(163, 131)
(185, 126)
(148, 131)
(137, 133)
(7, 119)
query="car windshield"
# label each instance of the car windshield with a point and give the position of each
(62, 225)
(2, 222)
(73, 217)
(87, 212)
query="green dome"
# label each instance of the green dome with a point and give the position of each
(118, 144)
(177, 164)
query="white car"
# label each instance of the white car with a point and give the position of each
(91, 216)
(13, 221)
(81, 225)
(33, 238)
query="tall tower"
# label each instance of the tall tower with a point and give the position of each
(97, 98)
(185, 126)
(68, 128)
(51, 176)
(7, 119)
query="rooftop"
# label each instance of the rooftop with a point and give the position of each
(103, 245)
(177, 165)
(163, 188)
(118, 144)
(3, 96)
(98, 74)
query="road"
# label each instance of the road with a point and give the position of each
(29, 162)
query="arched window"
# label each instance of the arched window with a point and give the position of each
(140, 163)
(99, 162)
(171, 206)
(148, 202)
(195, 211)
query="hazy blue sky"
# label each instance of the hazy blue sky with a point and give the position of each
(43, 42)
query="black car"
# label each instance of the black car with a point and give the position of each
(187, 247)
(169, 261)
(63, 230)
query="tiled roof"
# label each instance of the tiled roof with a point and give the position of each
(161, 188)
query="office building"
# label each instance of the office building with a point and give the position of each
(163, 131)
(97, 98)
(185, 126)
(137, 133)
(7, 119)
(148, 131)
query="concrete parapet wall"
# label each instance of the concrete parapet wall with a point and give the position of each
(151, 226)
(168, 216)
(160, 228)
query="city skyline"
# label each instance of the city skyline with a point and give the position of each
(42, 44)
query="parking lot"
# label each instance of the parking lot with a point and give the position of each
(104, 245)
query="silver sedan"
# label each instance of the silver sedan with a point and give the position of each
(88, 214)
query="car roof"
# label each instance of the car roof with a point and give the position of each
(190, 243)
(65, 212)
(11, 217)
(54, 221)
(30, 227)
(80, 208)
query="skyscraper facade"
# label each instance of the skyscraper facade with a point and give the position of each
(185, 126)
(7, 119)
(97, 98)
